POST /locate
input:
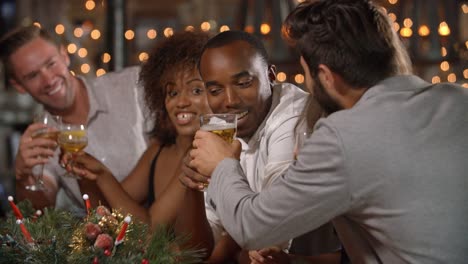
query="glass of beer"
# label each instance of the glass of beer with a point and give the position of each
(50, 132)
(72, 139)
(223, 125)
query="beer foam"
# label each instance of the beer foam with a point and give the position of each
(221, 126)
(217, 121)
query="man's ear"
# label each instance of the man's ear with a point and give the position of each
(272, 73)
(17, 86)
(327, 79)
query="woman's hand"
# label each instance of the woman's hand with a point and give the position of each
(271, 255)
(85, 165)
(191, 178)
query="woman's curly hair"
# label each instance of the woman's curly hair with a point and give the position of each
(177, 54)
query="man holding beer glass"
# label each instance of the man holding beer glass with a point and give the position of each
(238, 79)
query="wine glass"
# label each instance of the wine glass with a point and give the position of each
(50, 132)
(72, 139)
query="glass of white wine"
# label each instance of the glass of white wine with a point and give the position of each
(50, 132)
(223, 125)
(72, 139)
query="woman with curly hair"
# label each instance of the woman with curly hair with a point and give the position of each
(175, 96)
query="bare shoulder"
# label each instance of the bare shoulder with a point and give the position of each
(152, 149)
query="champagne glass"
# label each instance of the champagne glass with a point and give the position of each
(223, 125)
(50, 132)
(72, 139)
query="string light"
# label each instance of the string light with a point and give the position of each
(100, 72)
(406, 32)
(392, 17)
(443, 51)
(265, 28)
(151, 34)
(85, 68)
(143, 56)
(281, 77)
(129, 34)
(168, 32)
(106, 57)
(299, 78)
(78, 32)
(224, 28)
(408, 22)
(445, 66)
(444, 29)
(452, 77)
(59, 29)
(464, 8)
(37, 24)
(205, 26)
(90, 5)
(95, 34)
(82, 52)
(71, 48)
(424, 31)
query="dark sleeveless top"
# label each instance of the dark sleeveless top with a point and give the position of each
(150, 198)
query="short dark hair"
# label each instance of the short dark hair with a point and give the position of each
(227, 37)
(351, 37)
(176, 54)
(18, 37)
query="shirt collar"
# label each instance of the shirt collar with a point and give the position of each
(98, 100)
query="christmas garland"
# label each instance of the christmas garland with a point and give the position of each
(103, 236)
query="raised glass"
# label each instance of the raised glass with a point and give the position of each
(72, 139)
(53, 123)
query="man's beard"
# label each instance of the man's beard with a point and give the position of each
(325, 101)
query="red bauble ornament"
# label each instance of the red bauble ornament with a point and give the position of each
(92, 230)
(102, 211)
(95, 260)
(107, 252)
(144, 261)
(104, 241)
